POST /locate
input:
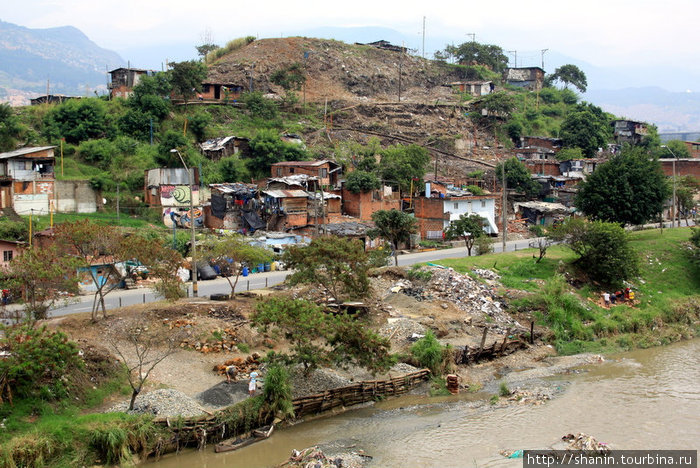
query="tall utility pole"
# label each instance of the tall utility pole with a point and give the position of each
(514, 52)
(504, 208)
(543, 51)
(473, 35)
(190, 179)
(673, 200)
(400, 58)
(424, 37)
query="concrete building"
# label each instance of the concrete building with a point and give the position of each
(27, 179)
(10, 249)
(327, 171)
(475, 88)
(123, 80)
(434, 214)
(629, 131)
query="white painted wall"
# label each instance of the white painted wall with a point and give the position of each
(486, 208)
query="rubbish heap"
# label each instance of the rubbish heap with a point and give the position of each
(313, 457)
(243, 366)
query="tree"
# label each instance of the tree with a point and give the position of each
(468, 227)
(233, 253)
(91, 243)
(187, 77)
(317, 338)
(259, 106)
(290, 78)
(402, 164)
(674, 149)
(165, 157)
(494, 106)
(141, 347)
(151, 96)
(587, 127)
(361, 181)
(10, 128)
(567, 154)
(78, 120)
(605, 254)
(266, 148)
(517, 177)
(473, 53)
(630, 188)
(570, 75)
(337, 264)
(687, 187)
(394, 226)
(39, 278)
(204, 49)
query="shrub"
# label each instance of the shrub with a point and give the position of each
(361, 181)
(418, 273)
(277, 392)
(484, 245)
(476, 190)
(39, 360)
(503, 390)
(428, 352)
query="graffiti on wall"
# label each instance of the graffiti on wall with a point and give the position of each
(178, 195)
(182, 218)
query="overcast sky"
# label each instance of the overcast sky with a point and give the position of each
(603, 33)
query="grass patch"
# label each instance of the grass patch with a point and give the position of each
(438, 387)
(667, 291)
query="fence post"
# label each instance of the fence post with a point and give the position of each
(120, 302)
(265, 281)
(248, 287)
(144, 298)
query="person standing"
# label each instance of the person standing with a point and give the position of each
(606, 298)
(253, 383)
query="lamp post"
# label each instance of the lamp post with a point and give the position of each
(192, 240)
(673, 209)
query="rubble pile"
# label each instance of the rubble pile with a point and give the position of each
(402, 329)
(582, 441)
(471, 296)
(243, 366)
(533, 396)
(313, 457)
(227, 313)
(219, 341)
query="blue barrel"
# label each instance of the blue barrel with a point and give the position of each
(245, 271)
(261, 267)
(267, 267)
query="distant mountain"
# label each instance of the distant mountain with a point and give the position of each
(64, 56)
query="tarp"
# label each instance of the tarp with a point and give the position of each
(253, 220)
(218, 206)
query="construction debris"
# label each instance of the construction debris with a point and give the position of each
(313, 457)
(243, 366)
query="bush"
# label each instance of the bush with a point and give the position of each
(277, 392)
(38, 363)
(476, 190)
(484, 245)
(429, 352)
(360, 181)
(503, 390)
(418, 273)
(259, 106)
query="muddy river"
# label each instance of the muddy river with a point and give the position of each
(646, 399)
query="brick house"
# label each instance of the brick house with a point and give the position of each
(434, 214)
(693, 148)
(362, 205)
(220, 91)
(475, 88)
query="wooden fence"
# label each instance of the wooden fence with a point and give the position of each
(471, 355)
(237, 419)
(360, 392)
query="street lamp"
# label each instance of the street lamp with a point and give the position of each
(194, 262)
(673, 218)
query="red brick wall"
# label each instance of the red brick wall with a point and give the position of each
(550, 168)
(683, 167)
(430, 215)
(362, 205)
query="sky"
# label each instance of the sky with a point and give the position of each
(603, 33)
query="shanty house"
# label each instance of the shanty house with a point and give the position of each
(221, 91)
(218, 148)
(234, 206)
(10, 249)
(629, 131)
(169, 188)
(531, 78)
(286, 209)
(693, 148)
(542, 213)
(27, 179)
(327, 171)
(123, 81)
(475, 88)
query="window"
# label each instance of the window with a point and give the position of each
(324, 172)
(291, 170)
(7, 255)
(456, 205)
(483, 203)
(279, 172)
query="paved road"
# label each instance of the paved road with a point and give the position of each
(120, 298)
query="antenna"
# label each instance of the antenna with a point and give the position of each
(423, 36)
(543, 51)
(515, 52)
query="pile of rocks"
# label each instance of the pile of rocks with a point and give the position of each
(401, 329)
(163, 403)
(243, 366)
(316, 382)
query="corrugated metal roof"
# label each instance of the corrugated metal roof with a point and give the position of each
(306, 163)
(24, 151)
(168, 176)
(286, 193)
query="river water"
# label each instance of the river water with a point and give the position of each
(645, 399)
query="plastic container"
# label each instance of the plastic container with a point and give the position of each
(273, 266)
(245, 271)
(261, 267)
(267, 267)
